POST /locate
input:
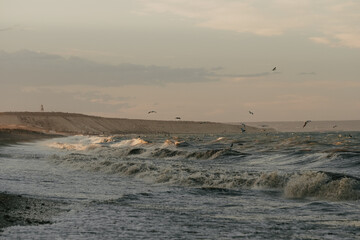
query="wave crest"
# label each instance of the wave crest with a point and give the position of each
(322, 185)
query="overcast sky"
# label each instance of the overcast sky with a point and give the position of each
(201, 60)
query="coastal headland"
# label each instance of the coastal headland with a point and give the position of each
(28, 126)
(73, 123)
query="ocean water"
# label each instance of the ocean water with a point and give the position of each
(245, 186)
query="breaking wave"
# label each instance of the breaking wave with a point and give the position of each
(309, 184)
(232, 164)
(130, 142)
(82, 143)
(141, 147)
(323, 185)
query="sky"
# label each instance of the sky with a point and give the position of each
(203, 60)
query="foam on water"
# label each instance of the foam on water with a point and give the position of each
(83, 143)
(176, 143)
(138, 158)
(256, 186)
(294, 185)
(79, 142)
(130, 142)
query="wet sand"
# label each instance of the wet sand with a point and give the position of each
(20, 210)
(27, 126)
(15, 135)
(18, 127)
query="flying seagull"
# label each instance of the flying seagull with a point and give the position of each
(178, 118)
(151, 112)
(251, 112)
(274, 68)
(305, 123)
(334, 126)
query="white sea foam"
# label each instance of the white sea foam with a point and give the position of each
(83, 143)
(130, 142)
(77, 143)
(320, 185)
(294, 185)
(186, 166)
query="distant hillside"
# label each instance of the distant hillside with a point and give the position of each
(72, 123)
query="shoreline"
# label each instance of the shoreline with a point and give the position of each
(19, 210)
(73, 123)
(17, 135)
(22, 210)
(26, 127)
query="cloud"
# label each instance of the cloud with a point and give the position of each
(307, 73)
(251, 75)
(33, 68)
(342, 39)
(238, 16)
(12, 27)
(246, 77)
(6, 29)
(322, 40)
(334, 22)
(101, 98)
(298, 102)
(351, 40)
(57, 99)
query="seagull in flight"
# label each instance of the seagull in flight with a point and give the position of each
(178, 118)
(334, 126)
(151, 112)
(274, 68)
(305, 123)
(251, 112)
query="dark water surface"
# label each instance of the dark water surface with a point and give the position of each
(247, 186)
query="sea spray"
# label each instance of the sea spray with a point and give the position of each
(321, 185)
(248, 186)
(165, 162)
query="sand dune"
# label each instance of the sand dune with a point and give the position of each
(71, 123)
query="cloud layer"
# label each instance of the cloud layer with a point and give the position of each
(333, 22)
(33, 68)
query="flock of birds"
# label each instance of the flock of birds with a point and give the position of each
(152, 111)
(242, 124)
(250, 112)
(305, 123)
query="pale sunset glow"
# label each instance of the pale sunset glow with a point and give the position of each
(204, 60)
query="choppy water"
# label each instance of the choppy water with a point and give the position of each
(247, 186)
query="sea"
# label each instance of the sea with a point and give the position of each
(302, 185)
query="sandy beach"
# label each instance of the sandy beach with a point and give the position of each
(22, 210)
(72, 123)
(18, 127)
(148, 172)
(15, 135)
